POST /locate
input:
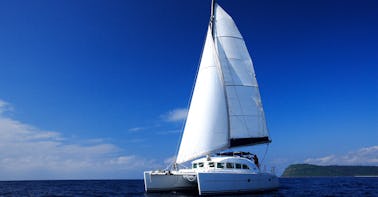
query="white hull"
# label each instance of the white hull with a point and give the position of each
(172, 181)
(218, 183)
(210, 182)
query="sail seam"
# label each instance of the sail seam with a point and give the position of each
(240, 38)
(243, 115)
(232, 85)
(234, 58)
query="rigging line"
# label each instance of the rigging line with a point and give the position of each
(266, 151)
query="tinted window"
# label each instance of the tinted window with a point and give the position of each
(238, 166)
(245, 166)
(194, 165)
(200, 165)
(211, 164)
(220, 165)
(229, 165)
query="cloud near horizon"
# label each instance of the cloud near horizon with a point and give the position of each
(176, 115)
(27, 152)
(363, 156)
(172, 116)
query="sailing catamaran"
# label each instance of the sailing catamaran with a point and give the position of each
(225, 112)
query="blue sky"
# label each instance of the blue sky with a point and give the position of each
(98, 89)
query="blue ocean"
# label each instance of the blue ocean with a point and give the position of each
(339, 186)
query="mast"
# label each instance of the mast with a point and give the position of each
(212, 22)
(212, 17)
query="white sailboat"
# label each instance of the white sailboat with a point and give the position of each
(225, 112)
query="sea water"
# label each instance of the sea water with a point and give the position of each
(335, 186)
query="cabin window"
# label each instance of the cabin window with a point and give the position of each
(194, 165)
(245, 166)
(211, 164)
(229, 165)
(220, 165)
(238, 166)
(200, 165)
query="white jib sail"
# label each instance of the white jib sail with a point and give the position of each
(206, 127)
(246, 113)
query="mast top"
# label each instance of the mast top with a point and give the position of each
(212, 16)
(212, 8)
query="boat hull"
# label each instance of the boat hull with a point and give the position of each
(209, 182)
(218, 183)
(169, 181)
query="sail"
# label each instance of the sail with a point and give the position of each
(246, 114)
(225, 109)
(206, 127)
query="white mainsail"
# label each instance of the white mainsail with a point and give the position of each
(225, 110)
(246, 114)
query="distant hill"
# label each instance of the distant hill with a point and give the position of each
(308, 170)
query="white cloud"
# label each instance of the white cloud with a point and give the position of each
(168, 132)
(27, 152)
(143, 128)
(5, 107)
(176, 115)
(172, 116)
(363, 156)
(136, 129)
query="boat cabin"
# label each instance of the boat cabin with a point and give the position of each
(227, 163)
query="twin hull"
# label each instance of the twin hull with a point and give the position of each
(214, 183)
(168, 181)
(210, 182)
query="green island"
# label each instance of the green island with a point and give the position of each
(308, 170)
